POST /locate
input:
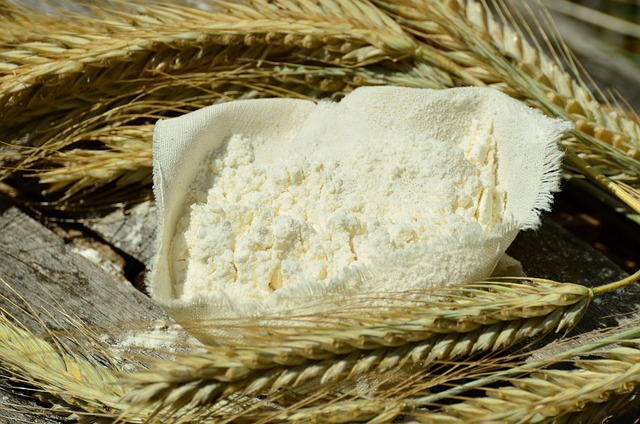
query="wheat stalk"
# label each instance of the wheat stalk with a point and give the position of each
(596, 18)
(68, 69)
(481, 317)
(73, 371)
(497, 54)
(116, 124)
(476, 318)
(591, 383)
(433, 43)
(598, 386)
(58, 68)
(380, 411)
(71, 383)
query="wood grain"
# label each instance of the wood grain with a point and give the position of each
(37, 266)
(132, 231)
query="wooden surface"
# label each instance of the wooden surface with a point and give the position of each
(37, 265)
(58, 283)
(12, 407)
(131, 231)
(551, 252)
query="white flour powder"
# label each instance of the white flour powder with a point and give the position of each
(280, 207)
(261, 230)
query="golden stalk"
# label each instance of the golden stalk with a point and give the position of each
(65, 70)
(478, 318)
(591, 383)
(317, 353)
(71, 383)
(598, 386)
(498, 54)
(323, 47)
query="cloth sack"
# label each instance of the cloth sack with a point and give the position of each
(528, 172)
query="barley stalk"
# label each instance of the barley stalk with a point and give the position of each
(77, 75)
(431, 43)
(497, 54)
(482, 317)
(117, 126)
(380, 411)
(69, 69)
(597, 387)
(71, 383)
(602, 380)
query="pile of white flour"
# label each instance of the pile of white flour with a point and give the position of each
(260, 230)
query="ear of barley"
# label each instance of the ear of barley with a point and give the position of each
(432, 43)
(597, 387)
(116, 123)
(498, 54)
(481, 317)
(140, 68)
(85, 68)
(380, 411)
(605, 339)
(73, 384)
(589, 384)
(459, 37)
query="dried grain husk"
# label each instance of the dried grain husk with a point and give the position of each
(353, 343)
(435, 44)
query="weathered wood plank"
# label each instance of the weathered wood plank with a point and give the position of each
(131, 231)
(12, 409)
(554, 253)
(36, 265)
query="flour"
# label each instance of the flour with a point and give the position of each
(256, 231)
(280, 207)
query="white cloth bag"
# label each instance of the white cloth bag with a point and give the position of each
(528, 172)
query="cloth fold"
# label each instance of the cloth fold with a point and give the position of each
(438, 183)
